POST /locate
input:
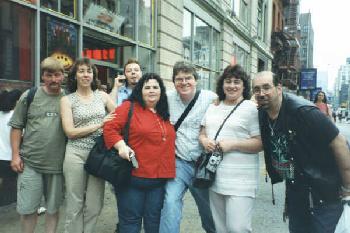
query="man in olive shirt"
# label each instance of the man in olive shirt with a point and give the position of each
(38, 157)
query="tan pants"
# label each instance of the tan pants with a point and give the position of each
(84, 193)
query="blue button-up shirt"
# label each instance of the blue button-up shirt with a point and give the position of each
(123, 94)
(187, 145)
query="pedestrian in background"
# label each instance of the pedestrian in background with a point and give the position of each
(152, 140)
(235, 187)
(83, 116)
(8, 102)
(304, 148)
(124, 84)
(322, 103)
(188, 150)
(38, 155)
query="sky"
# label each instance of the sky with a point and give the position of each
(330, 20)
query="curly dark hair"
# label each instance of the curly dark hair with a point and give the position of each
(162, 107)
(233, 71)
(324, 99)
(72, 81)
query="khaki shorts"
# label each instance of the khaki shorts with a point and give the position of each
(32, 185)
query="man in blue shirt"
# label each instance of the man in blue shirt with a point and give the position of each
(124, 84)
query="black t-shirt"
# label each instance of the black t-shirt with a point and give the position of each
(308, 127)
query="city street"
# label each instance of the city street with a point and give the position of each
(267, 217)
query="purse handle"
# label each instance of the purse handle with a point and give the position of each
(127, 126)
(234, 109)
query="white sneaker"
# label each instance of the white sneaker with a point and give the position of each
(41, 210)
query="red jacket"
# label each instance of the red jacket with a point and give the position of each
(156, 156)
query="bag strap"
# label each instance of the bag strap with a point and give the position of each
(29, 100)
(127, 126)
(187, 110)
(234, 109)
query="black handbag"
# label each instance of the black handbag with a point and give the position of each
(107, 164)
(208, 162)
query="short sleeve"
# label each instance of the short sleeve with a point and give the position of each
(254, 128)
(19, 116)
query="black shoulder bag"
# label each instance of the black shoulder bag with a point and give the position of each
(107, 164)
(208, 162)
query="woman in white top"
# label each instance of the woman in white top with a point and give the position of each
(233, 193)
(8, 102)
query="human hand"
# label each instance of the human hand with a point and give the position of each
(119, 81)
(17, 163)
(208, 144)
(125, 151)
(225, 145)
(108, 117)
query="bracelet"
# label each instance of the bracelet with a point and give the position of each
(344, 189)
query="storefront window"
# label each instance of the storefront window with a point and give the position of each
(17, 43)
(146, 21)
(59, 39)
(201, 42)
(113, 15)
(146, 59)
(214, 50)
(186, 35)
(63, 6)
(203, 82)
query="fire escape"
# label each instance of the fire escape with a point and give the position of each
(285, 47)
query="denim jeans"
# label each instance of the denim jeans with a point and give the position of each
(175, 190)
(142, 200)
(321, 218)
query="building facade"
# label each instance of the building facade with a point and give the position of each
(306, 41)
(341, 92)
(285, 42)
(210, 34)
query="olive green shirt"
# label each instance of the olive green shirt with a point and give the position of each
(43, 144)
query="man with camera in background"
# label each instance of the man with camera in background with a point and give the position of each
(124, 84)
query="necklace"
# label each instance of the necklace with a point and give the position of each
(162, 128)
(272, 126)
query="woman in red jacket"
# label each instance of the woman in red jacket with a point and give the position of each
(152, 139)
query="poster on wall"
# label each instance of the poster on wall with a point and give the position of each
(62, 41)
(308, 79)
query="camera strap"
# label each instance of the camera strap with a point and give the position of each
(234, 109)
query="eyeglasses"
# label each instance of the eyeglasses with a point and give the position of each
(263, 89)
(186, 79)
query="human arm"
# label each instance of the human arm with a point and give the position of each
(112, 131)
(207, 143)
(117, 84)
(110, 105)
(68, 125)
(251, 145)
(15, 138)
(342, 156)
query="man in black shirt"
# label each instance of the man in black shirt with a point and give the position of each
(304, 148)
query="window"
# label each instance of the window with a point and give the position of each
(200, 47)
(59, 39)
(186, 35)
(146, 21)
(241, 57)
(17, 44)
(112, 15)
(201, 43)
(63, 6)
(240, 10)
(146, 59)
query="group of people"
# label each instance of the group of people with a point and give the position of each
(51, 139)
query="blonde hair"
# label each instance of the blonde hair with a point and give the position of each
(51, 64)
